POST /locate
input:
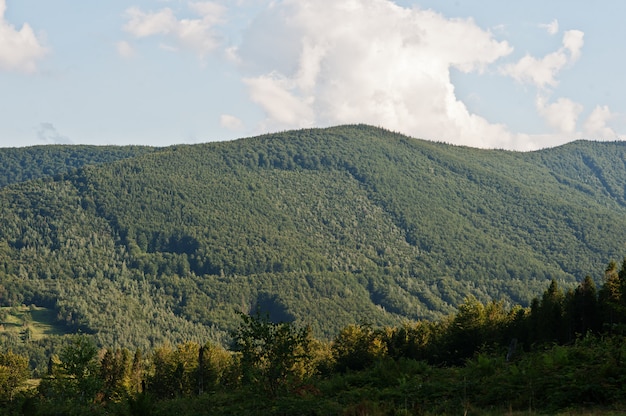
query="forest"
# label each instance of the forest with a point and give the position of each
(23, 164)
(319, 226)
(350, 228)
(563, 354)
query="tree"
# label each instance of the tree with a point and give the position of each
(411, 340)
(75, 375)
(272, 354)
(213, 365)
(136, 373)
(582, 308)
(13, 373)
(163, 383)
(357, 347)
(175, 371)
(115, 373)
(612, 297)
(547, 315)
(187, 362)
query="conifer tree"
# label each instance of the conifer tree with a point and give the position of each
(548, 316)
(611, 297)
(582, 309)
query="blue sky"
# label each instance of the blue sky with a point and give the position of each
(491, 74)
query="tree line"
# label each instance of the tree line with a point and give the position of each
(520, 357)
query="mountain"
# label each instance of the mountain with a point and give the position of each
(324, 226)
(22, 164)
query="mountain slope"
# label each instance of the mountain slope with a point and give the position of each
(22, 164)
(325, 226)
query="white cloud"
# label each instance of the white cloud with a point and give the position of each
(197, 34)
(125, 49)
(142, 24)
(48, 134)
(561, 115)
(19, 49)
(552, 28)
(573, 41)
(273, 93)
(542, 72)
(212, 13)
(324, 62)
(231, 122)
(595, 125)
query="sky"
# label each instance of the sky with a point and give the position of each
(518, 75)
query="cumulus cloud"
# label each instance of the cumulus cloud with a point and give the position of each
(231, 122)
(573, 41)
(211, 13)
(48, 134)
(552, 28)
(561, 115)
(273, 93)
(309, 63)
(542, 72)
(596, 124)
(324, 62)
(195, 34)
(125, 49)
(20, 50)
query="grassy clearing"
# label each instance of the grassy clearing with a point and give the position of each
(32, 322)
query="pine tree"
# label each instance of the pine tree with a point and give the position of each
(549, 315)
(136, 373)
(582, 309)
(115, 374)
(611, 297)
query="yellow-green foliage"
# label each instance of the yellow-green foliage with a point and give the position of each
(13, 373)
(31, 323)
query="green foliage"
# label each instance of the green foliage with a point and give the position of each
(28, 163)
(357, 347)
(75, 376)
(413, 340)
(583, 308)
(115, 374)
(174, 371)
(473, 327)
(142, 247)
(273, 370)
(13, 373)
(215, 368)
(275, 356)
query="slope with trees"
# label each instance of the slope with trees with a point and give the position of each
(27, 163)
(483, 359)
(324, 226)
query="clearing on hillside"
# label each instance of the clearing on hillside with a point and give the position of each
(30, 322)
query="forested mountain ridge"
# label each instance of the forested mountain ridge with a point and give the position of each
(324, 226)
(22, 164)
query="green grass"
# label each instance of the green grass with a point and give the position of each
(40, 321)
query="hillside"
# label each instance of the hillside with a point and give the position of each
(23, 164)
(324, 226)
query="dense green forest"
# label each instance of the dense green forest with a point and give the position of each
(23, 164)
(140, 247)
(564, 354)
